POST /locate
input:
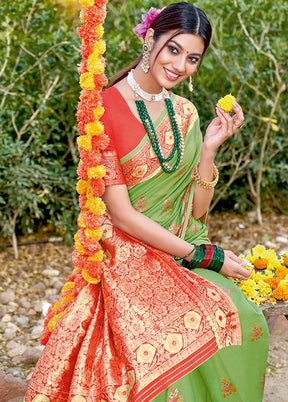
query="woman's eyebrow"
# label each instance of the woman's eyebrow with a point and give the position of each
(181, 47)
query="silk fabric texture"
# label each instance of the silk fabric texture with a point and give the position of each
(153, 329)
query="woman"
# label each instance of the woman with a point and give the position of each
(153, 329)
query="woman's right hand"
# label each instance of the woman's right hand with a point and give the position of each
(234, 267)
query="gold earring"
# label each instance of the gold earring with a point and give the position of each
(190, 85)
(145, 58)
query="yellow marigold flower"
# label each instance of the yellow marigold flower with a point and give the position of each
(256, 288)
(81, 186)
(247, 265)
(272, 300)
(264, 288)
(87, 3)
(99, 47)
(80, 221)
(94, 128)
(66, 287)
(78, 244)
(81, 16)
(54, 320)
(89, 193)
(284, 281)
(87, 80)
(226, 102)
(249, 289)
(75, 270)
(269, 273)
(84, 141)
(89, 278)
(79, 247)
(273, 264)
(94, 233)
(96, 172)
(76, 235)
(98, 112)
(95, 65)
(98, 257)
(96, 206)
(68, 298)
(258, 250)
(100, 31)
(271, 254)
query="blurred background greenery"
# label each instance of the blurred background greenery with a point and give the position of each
(39, 92)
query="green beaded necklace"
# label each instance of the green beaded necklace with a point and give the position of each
(178, 138)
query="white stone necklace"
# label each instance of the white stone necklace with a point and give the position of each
(145, 95)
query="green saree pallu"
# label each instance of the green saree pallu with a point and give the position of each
(153, 330)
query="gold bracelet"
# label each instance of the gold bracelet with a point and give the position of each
(208, 185)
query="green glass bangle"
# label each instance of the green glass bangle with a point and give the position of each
(185, 256)
(217, 260)
(200, 254)
(198, 257)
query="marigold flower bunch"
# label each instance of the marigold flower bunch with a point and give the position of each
(268, 281)
(88, 253)
(226, 102)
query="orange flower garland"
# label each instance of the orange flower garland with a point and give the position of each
(88, 254)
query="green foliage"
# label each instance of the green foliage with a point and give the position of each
(246, 58)
(39, 53)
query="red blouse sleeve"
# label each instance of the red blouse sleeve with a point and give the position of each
(110, 158)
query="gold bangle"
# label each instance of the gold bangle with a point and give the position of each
(207, 185)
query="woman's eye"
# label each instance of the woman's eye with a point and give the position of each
(173, 49)
(193, 60)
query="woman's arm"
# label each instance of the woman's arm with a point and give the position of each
(221, 128)
(138, 225)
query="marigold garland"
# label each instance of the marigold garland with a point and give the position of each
(268, 281)
(88, 254)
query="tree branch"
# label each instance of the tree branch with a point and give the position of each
(8, 32)
(19, 77)
(35, 114)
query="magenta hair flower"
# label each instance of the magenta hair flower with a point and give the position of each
(147, 19)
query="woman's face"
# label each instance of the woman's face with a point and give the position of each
(177, 60)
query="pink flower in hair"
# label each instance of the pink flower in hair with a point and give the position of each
(147, 19)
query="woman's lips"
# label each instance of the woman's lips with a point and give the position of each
(171, 75)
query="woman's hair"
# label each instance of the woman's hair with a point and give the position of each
(182, 18)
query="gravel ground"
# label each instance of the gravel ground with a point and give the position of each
(28, 285)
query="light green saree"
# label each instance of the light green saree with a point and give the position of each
(153, 330)
(235, 373)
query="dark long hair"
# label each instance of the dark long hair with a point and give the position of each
(182, 18)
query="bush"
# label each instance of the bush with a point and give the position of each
(246, 58)
(39, 79)
(39, 54)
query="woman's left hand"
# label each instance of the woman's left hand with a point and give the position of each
(223, 127)
(234, 267)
